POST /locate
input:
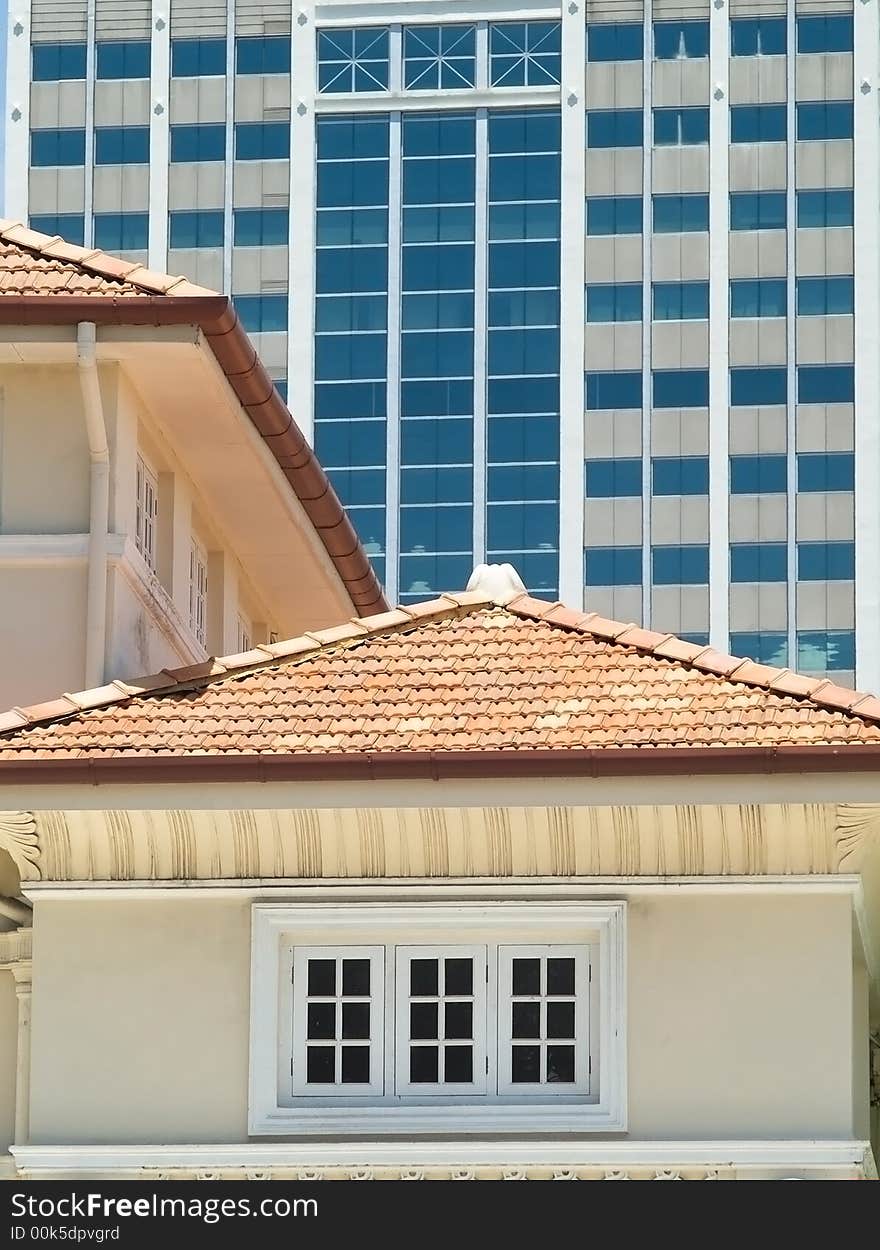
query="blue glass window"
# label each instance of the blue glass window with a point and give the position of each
(345, 358)
(825, 32)
(681, 301)
(354, 401)
(281, 387)
(753, 387)
(422, 576)
(198, 58)
(262, 141)
(196, 228)
(439, 57)
(616, 301)
(261, 314)
(680, 475)
(353, 60)
(537, 483)
(613, 566)
(447, 528)
(438, 441)
(758, 297)
(128, 58)
(832, 650)
(765, 646)
(758, 562)
(438, 310)
(757, 36)
(58, 62)
(680, 566)
(614, 214)
(758, 475)
(613, 479)
(519, 221)
(58, 147)
(513, 440)
(264, 54)
(345, 182)
(678, 41)
(680, 126)
(615, 41)
(198, 142)
(826, 562)
(122, 145)
(757, 123)
(260, 227)
(681, 388)
(530, 131)
(359, 487)
(614, 128)
(69, 226)
(680, 214)
(344, 313)
(525, 54)
(519, 352)
(825, 119)
(826, 384)
(522, 395)
(342, 269)
(825, 209)
(757, 210)
(436, 484)
(352, 138)
(823, 471)
(350, 443)
(522, 526)
(824, 297)
(523, 308)
(122, 232)
(613, 390)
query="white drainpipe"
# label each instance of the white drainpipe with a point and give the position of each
(99, 503)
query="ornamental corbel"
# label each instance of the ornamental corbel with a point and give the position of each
(18, 837)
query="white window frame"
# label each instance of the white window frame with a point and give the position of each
(405, 954)
(146, 511)
(243, 634)
(279, 928)
(198, 590)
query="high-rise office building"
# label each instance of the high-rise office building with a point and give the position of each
(571, 286)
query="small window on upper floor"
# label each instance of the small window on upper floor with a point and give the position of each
(432, 1017)
(757, 36)
(146, 511)
(353, 60)
(825, 119)
(262, 141)
(59, 148)
(244, 633)
(525, 54)
(615, 41)
(265, 54)
(680, 41)
(614, 214)
(439, 58)
(262, 314)
(69, 226)
(614, 128)
(824, 209)
(758, 386)
(825, 32)
(620, 478)
(191, 142)
(198, 590)
(198, 58)
(260, 227)
(825, 297)
(192, 228)
(757, 123)
(613, 301)
(122, 232)
(758, 474)
(680, 301)
(126, 58)
(832, 650)
(758, 297)
(680, 475)
(680, 214)
(757, 210)
(122, 145)
(58, 62)
(825, 471)
(680, 127)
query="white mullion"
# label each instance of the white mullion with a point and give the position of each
(91, 85)
(16, 180)
(791, 331)
(647, 309)
(160, 68)
(392, 372)
(302, 207)
(481, 334)
(229, 151)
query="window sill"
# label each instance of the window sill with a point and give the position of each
(348, 1121)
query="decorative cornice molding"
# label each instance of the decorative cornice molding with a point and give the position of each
(437, 842)
(15, 947)
(19, 837)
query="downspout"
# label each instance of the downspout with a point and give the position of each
(99, 503)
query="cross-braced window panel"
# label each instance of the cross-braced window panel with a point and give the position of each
(439, 57)
(525, 54)
(352, 60)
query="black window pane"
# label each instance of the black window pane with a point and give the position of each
(459, 1020)
(560, 1019)
(355, 1065)
(459, 976)
(322, 977)
(321, 1065)
(560, 1064)
(526, 1066)
(527, 1020)
(560, 976)
(356, 977)
(527, 976)
(423, 1065)
(356, 1020)
(321, 1021)
(423, 1020)
(423, 978)
(458, 1063)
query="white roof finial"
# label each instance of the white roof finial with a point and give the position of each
(499, 582)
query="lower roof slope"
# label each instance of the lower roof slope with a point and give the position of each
(460, 674)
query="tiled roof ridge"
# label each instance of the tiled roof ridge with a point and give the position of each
(819, 691)
(113, 268)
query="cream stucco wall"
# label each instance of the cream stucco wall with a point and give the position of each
(42, 639)
(740, 1018)
(8, 1057)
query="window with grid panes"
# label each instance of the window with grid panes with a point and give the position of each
(496, 1017)
(146, 512)
(198, 591)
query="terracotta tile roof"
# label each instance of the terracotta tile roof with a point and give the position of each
(32, 263)
(462, 673)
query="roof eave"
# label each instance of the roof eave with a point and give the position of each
(443, 765)
(216, 317)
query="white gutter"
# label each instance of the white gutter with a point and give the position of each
(99, 503)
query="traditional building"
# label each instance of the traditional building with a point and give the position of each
(157, 502)
(479, 887)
